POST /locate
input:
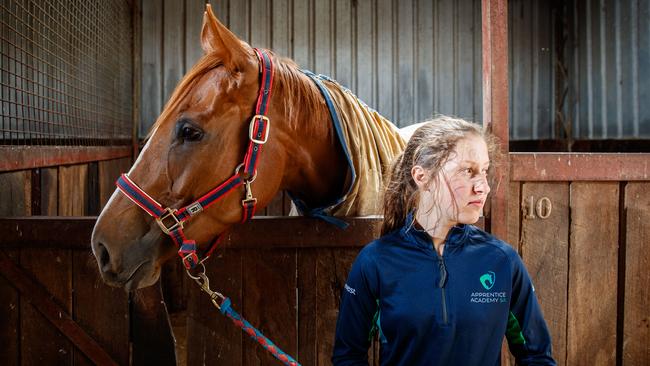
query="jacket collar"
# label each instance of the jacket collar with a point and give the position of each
(455, 238)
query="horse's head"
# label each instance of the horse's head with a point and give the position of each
(198, 141)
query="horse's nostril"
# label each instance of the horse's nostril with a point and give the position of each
(103, 257)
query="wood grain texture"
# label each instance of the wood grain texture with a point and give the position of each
(41, 343)
(72, 190)
(545, 251)
(49, 191)
(212, 338)
(10, 318)
(14, 201)
(269, 302)
(109, 171)
(593, 258)
(102, 311)
(332, 268)
(636, 334)
(15, 193)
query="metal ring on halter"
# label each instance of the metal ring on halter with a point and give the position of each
(247, 180)
(198, 277)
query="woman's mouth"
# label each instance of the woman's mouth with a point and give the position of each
(477, 203)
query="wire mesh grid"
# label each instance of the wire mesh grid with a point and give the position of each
(67, 72)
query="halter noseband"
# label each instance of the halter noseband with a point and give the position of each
(171, 220)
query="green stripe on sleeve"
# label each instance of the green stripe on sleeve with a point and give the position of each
(513, 332)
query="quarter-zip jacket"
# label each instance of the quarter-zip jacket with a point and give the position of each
(429, 309)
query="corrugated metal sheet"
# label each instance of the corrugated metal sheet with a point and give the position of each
(609, 68)
(408, 59)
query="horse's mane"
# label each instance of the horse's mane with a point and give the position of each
(302, 98)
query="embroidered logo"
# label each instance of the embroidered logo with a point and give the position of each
(487, 280)
(350, 289)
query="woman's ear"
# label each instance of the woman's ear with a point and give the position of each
(420, 177)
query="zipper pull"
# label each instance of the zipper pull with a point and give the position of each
(443, 273)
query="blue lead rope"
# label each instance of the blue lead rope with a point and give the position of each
(257, 336)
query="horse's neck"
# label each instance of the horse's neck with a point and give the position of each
(316, 168)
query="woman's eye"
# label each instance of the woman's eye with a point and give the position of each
(188, 132)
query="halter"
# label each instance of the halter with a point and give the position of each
(171, 220)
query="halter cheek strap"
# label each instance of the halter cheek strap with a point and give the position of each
(171, 221)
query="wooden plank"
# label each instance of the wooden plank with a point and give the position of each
(48, 305)
(593, 271)
(636, 327)
(579, 167)
(276, 206)
(269, 302)
(152, 90)
(41, 343)
(288, 232)
(332, 268)
(9, 316)
(72, 190)
(151, 333)
(307, 306)
(101, 310)
(14, 200)
(49, 191)
(29, 157)
(212, 338)
(109, 171)
(495, 103)
(514, 216)
(546, 253)
(15, 193)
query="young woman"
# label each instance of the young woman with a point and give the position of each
(438, 290)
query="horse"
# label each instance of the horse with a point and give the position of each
(290, 143)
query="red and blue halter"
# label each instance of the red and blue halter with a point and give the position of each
(171, 220)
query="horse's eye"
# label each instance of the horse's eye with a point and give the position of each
(188, 132)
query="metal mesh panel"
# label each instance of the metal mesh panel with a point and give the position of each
(67, 69)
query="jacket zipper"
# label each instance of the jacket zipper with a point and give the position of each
(441, 285)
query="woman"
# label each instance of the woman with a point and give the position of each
(438, 290)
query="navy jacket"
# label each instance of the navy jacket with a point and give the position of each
(429, 309)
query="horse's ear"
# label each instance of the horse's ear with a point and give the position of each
(215, 37)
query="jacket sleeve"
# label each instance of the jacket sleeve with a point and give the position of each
(527, 333)
(356, 313)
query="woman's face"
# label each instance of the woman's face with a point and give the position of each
(462, 184)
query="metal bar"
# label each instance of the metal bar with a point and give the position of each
(259, 233)
(36, 295)
(495, 104)
(28, 157)
(530, 167)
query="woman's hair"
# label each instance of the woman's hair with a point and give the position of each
(430, 147)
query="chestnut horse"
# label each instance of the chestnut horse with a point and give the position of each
(200, 139)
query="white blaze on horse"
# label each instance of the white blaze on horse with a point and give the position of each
(251, 124)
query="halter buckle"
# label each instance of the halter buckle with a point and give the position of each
(251, 128)
(174, 225)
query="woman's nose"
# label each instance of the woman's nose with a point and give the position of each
(481, 186)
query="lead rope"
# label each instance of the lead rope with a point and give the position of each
(224, 305)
